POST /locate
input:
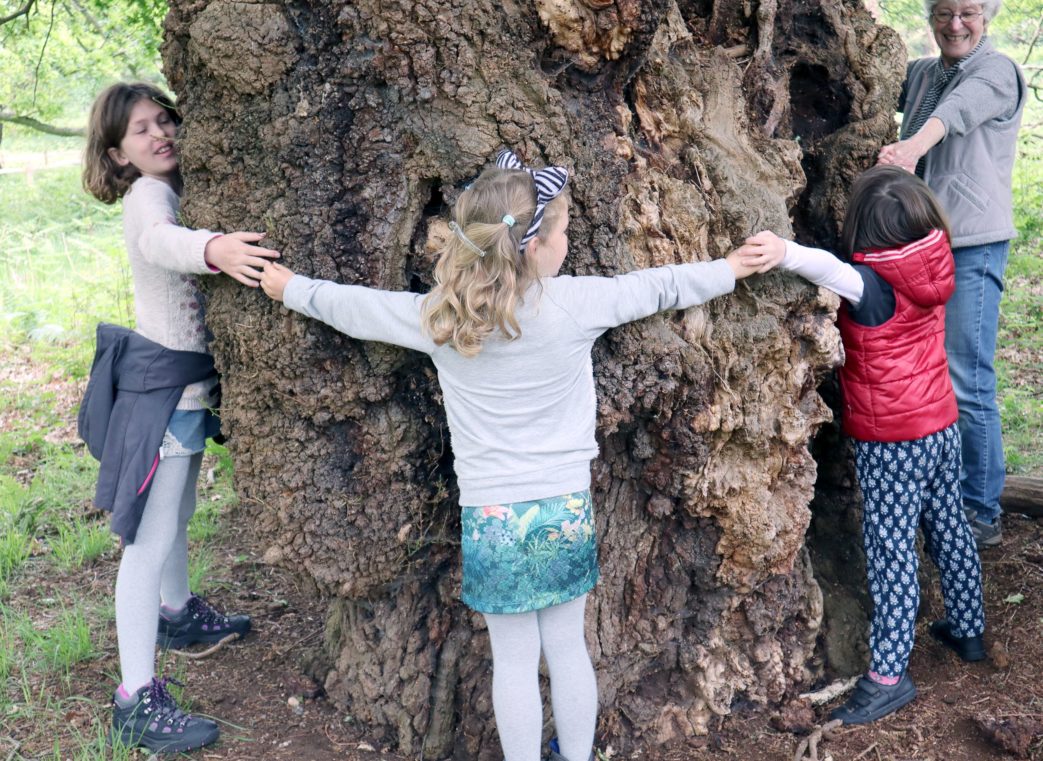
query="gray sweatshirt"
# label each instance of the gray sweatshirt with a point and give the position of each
(971, 169)
(521, 413)
(164, 258)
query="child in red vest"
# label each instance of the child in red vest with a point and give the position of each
(900, 409)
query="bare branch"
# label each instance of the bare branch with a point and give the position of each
(91, 19)
(23, 11)
(27, 121)
(1035, 38)
(43, 49)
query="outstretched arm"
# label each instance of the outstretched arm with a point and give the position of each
(165, 242)
(906, 153)
(600, 303)
(766, 250)
(368, 314)
(233, 255)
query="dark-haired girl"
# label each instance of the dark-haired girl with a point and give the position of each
(900, 409)
(150, 455)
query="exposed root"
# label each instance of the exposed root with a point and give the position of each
(830, 691)
(810, 743)
(209, 651)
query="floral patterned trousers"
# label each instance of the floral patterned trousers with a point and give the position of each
(905, 485)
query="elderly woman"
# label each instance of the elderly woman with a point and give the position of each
(961, 113)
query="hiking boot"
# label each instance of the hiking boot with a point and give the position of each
(986, 534)
(968, 648)
(198, 621)
(871, 700)
(151, 719)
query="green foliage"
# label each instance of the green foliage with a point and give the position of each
(1011, 30)
(63, 267)
(200, 566)
(56, 59)
(14, 551)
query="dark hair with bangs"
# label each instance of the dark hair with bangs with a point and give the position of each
(103, 178)
(888, 208)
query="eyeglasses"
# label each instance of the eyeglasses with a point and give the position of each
(942, 18)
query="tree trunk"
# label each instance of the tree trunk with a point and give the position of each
(1023, 494)
(345, 130)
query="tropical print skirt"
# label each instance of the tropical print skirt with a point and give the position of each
(526, 556)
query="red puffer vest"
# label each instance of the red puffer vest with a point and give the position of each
(896, 378)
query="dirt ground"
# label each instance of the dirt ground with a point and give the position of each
(272, 712)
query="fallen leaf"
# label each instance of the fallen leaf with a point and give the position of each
(1015, 599)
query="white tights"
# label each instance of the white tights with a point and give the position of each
(517, 640)
(154, 568)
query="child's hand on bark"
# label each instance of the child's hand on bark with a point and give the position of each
(274, 279)
(763, 251)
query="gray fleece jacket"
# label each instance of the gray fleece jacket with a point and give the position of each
(521, 413)
(970, 169)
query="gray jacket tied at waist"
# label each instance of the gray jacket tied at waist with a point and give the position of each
(134, 386)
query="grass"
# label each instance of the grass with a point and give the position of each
(80, 544)
(63, 267)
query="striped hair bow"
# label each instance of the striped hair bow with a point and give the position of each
(549, 183)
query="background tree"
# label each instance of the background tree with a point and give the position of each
(56, 55)
(345, 129)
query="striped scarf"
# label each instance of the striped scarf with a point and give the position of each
(942, 77)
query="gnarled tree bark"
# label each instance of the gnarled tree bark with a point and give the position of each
(344, 130)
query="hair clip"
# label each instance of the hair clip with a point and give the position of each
(508, 220)
(465, 240)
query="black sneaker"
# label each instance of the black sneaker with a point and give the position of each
(872, 700)
(198, 621)
(151, 719)
(986, 534)
(968, 648)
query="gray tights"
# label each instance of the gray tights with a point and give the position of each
(154, 569)
(517, 640)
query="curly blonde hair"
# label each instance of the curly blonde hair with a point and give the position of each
(103, 178)
(475, 295)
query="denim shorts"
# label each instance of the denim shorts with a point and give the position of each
(187, 433)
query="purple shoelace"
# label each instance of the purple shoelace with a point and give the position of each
(200, 609)
(163, 708)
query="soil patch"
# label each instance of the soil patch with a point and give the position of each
(990, 711)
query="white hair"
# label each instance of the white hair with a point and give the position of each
(989, 7)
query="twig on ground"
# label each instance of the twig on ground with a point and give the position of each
(810, 743)
(14, 749)
(209, 651)
(834, 690)
(280, 652)
(865, 752)
(334, 743)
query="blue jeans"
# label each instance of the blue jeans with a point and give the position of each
(971, 322)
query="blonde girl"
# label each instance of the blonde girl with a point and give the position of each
(511, 341)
